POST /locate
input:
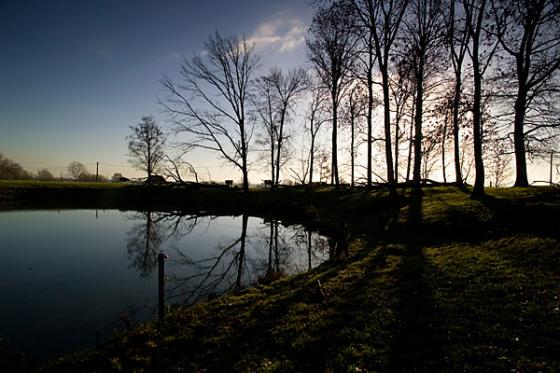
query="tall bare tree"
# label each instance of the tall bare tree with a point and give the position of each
(146, 145)
(354, 111)
(266, 109)
(385, 22)
(402, 92)
(365, 15)
(423, 41)
(316, 117)
(529, 33)
(457, 40)
(332, 51)
(480, 50)
(279, 94)
(211, 105)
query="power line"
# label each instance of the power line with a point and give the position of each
(114, 165)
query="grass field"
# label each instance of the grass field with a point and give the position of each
(438, 283)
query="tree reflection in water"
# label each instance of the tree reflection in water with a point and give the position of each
(259, 252)
(145, 239)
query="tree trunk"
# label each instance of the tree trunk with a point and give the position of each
(387, 125)
(334, 141)
(443, 138)
(245, 175)
(456, 145)
(370, 118)
(243, 152)
(272, 163)
(311, 157)
(417, 177)
(397, 123)
(410, 145)
(352, 150)
(149, 162)
(279, 148)
(521, 178)
(478, 190)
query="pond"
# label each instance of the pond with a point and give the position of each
(71, 278)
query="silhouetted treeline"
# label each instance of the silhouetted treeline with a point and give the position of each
(10, 170)
(426, 86)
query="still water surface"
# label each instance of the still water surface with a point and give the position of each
(68, 276)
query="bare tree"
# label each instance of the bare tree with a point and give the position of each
(423, 43)
(279, 93)
(266, 109)
(316, 117)
(146, 145)
(430, 151)
(354, 111)
(480, 52)
(332, 51)
(385, 22)
(300, 171)
(529, 33)
(211, 105)
(288, 89)
(365, 12)
(457, 40)
(402, 92)
(177, 166)
(444, 111)
(77, 170)
(498, 159)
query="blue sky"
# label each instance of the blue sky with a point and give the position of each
(75, 74)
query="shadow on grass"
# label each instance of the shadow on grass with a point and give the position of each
(421, 297)
(416, 346)
(529, 215)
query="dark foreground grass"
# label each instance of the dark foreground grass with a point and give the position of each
(439, 283)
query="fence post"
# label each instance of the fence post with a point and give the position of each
(161, 285)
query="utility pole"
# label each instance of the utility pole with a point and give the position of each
(96, 171)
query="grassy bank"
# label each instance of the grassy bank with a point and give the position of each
(438, 283)
(36, 194)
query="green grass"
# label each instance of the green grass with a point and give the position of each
(438, 283)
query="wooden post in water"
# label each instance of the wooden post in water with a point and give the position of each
(161, 285)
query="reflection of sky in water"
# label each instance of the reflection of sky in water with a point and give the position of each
(64, 275)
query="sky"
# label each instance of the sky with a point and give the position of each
(74, 75)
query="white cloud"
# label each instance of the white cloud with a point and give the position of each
(285, 34)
